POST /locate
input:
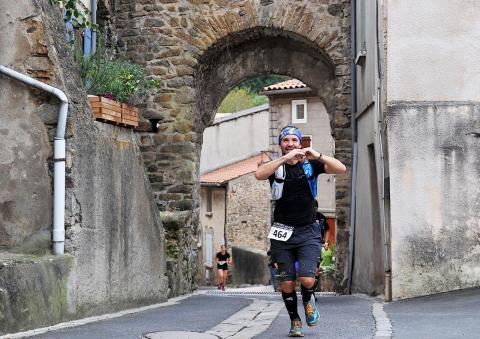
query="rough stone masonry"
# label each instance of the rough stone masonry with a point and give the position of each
(201, 49)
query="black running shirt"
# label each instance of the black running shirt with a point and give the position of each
(295, 207)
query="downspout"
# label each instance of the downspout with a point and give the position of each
(351, 239)
(225, 222)
(58, 233)
(94, 22)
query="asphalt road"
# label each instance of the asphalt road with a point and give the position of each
(257, 313)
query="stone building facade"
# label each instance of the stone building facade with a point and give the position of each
(234, 210)
(248, 212)
(199, 50)
(315, 127)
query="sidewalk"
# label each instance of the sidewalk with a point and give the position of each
(441, 316)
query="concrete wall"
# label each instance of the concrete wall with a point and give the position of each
(248, 212)
(250, 266)
(234, 138)
(112, 226)
(433, 115)
(318, 127)
(441, 56)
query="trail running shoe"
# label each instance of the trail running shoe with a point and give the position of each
(296, 329)
(311, 313)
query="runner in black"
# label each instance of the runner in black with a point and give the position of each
(294, 234)
(223, 260)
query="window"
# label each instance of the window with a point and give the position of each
(306, 141)
(209, 201)
(299, 111)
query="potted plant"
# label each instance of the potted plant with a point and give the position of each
(114, 85)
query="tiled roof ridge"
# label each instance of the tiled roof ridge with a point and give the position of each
(288, 84)
(232, 171)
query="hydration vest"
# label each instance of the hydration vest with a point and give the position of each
(280, 173)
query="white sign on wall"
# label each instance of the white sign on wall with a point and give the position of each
(208, 249)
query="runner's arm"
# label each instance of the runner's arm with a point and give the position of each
(331, 165)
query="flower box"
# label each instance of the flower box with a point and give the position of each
(111, 111)
(129, 115)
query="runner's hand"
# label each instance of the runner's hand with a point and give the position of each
(310, 153)
(295, 154)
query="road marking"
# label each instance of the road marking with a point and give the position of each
(383, 326)
(249, 321)
(246, 323)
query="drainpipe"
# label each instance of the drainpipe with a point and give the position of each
(225, 215)
(93, 19)
(351, 239)
(58, 233)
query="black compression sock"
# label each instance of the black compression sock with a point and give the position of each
(307, 293)
(290, 300)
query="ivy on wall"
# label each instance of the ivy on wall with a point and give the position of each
(75, 13)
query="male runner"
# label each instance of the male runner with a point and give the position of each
(294, 234)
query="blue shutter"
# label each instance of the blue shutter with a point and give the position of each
(87, 41)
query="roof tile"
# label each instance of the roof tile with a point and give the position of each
(289, 84)
(232, 171)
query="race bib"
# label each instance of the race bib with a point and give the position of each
(280, 232)
(222, 262)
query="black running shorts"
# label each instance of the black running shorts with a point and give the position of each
(304, 245)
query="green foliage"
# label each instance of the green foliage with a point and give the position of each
(75, 14)
(237, 100)
(106, 74)
(248, 93)
(256, 84)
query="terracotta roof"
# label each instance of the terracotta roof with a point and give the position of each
(232, 171)
(289, 84)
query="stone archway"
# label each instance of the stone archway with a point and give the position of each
(264, 50)
(260, 51)
(195, 48)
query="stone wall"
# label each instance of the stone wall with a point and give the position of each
(248, 212)
(112, 226)
(199, 50)
(250, 266)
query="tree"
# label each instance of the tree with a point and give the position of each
(248, 93)
(237, 100)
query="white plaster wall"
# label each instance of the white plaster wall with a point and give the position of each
(433, 145)
(435, 197)
(234, 139)
(433, 48)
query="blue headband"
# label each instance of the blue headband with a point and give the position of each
(289, 131)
